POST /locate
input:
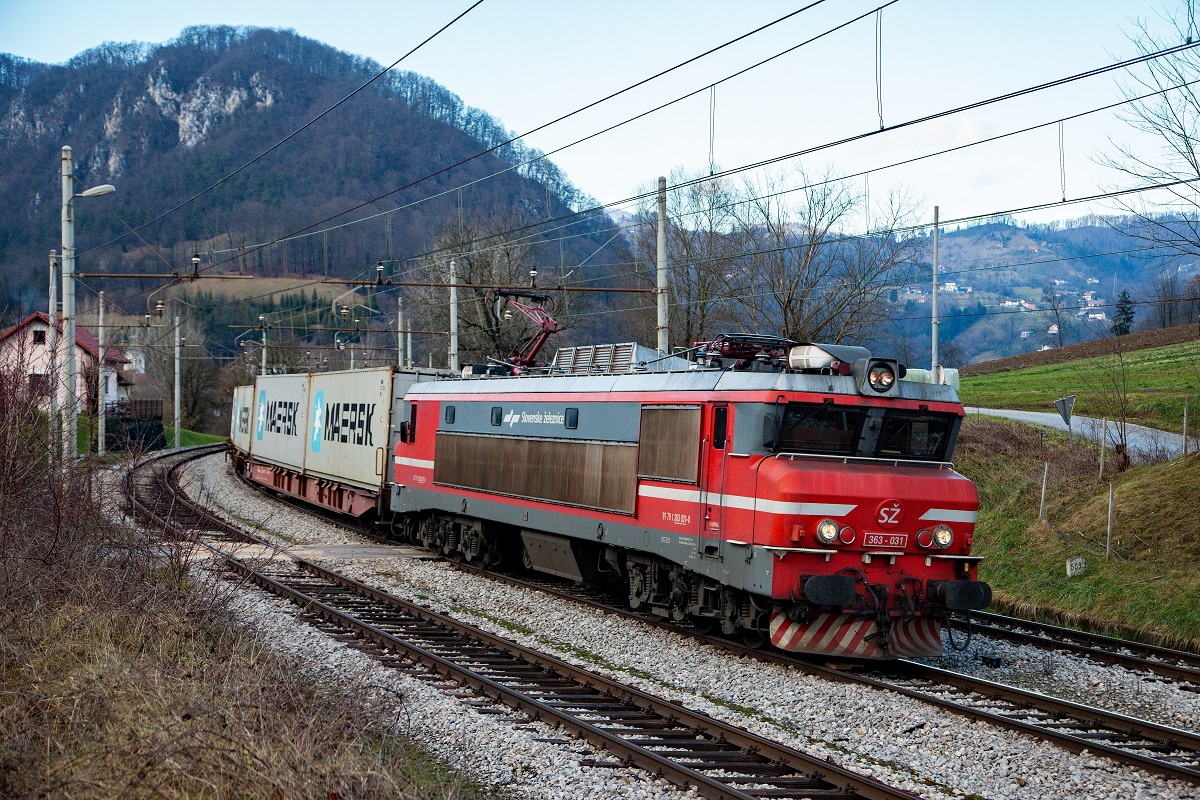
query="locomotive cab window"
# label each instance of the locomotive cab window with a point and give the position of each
(915, 434)
(572, 419)
(497, 415)
(814, 428)
(449, 415)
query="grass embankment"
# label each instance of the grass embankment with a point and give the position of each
(1147, 590)
(124, 674)
(1153, 382)
(189, 438)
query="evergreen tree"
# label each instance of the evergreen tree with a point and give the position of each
(1123, 316)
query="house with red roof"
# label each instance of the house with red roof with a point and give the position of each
(26, 346)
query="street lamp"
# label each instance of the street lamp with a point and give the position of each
(71, 406)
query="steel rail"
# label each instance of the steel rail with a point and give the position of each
(1097, 723)
(1113, 726)
(784, 772)
(1174, 664)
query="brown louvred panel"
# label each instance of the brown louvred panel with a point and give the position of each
(670, 443)
(595, 475)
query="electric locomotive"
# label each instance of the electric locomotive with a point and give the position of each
(793, 493)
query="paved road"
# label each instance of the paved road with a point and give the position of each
(1144, 443)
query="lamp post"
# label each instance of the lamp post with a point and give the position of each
(101, 386)
(71, 405)
(52, 366)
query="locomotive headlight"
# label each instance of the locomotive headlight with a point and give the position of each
(943, 537)
(881, 377)
(827, 531)
(925, 538)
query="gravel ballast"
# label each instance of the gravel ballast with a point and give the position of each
(896, 739)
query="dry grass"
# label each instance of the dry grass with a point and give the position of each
(122, 677)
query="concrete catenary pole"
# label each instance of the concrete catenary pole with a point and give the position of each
(453, 318)
(934, 359)
(400, 332)
(263, 369)
(177, 380)
(71, 398)
(660, 290)
(101, 385)
(52, 364)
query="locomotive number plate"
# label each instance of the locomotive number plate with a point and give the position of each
(896, 540)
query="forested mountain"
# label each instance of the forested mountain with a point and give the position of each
(162, 122)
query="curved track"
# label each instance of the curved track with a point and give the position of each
(1157, 748)
(689, 749)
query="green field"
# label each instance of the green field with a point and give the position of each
(1150, 384)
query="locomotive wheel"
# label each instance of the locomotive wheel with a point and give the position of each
(752, 638)
(637, 587)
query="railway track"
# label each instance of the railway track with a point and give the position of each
(1172, 664)
(689, 749)
(1157, 748)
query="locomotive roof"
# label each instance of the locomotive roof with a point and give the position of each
(705, 380)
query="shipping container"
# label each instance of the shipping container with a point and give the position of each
(349, 415)
(241, 422)
(280, 431)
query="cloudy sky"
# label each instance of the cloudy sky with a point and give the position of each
(529, 61)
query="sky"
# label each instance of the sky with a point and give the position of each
(527, 62)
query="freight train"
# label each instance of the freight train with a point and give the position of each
(800, 494)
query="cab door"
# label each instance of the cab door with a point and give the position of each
(716, 445)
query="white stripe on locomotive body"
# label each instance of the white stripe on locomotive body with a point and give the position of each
(419, 463)
(949, 515)
(744, 503)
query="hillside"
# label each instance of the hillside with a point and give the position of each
(163, 121)
(999, 280)
(1145, 591)
(1138, 340)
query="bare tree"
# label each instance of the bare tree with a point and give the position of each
(484, 253)
(1056, 304)
(703, 244)
(804, 276)
(201, 389)
(1168, 292)
(1171, 114)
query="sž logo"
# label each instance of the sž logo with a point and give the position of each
(888, 514)
(349, 423)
